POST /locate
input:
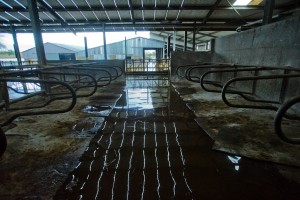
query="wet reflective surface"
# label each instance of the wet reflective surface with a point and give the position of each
(150, 147)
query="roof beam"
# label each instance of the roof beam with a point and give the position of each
(126, 8)
(209, 14)
(190, 21)
(119, 27)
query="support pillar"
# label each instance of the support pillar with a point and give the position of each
(268, 11)
(169, 46)
(185, 41)
(16, 45)
(104, 43)
(86, 48)
(36, 28)
(174, 40)
(194, 40)
(125, 41)
(17, 53)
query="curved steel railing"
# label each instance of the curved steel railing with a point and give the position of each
(248, 78)
(79, 80)
(281, 112)
(13, 115)
(67, 86)
(107, 79)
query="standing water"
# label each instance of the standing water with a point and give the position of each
(150, 147)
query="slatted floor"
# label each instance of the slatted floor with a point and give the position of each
(157, 151)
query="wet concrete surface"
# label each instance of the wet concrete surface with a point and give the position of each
(42, 150)
(146, 146)
(150, 147)
(241, 131)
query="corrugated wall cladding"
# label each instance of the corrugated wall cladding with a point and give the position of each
(116, 50)
(52, 52)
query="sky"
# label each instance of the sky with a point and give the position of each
(26, 40)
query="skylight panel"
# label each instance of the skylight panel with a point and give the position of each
(20, 4)
(47, 3)
(6, 4)
(88, 4)
(24, 16)
(60, 16)
(12, 16)
(241, 2)
(166, 16)
(181, 3)
(72, 16)
(117, 10)
(4, 18)
(179, 10)
(91, 9)
(83, 16)
(61, 4)
(178, 14)
(104, 10)
(48, 16)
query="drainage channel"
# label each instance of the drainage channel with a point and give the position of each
(150, 147)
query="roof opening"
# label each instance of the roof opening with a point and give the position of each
(241, 2)
(247, 2)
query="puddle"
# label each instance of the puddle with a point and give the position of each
(88, 126)
(97, 110)
(146, 150)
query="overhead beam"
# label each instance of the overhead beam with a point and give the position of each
(59, 29)
(207, 34)
(178, 38)
(126, 8)
(118, 27)
(184, 22)
(209, 14)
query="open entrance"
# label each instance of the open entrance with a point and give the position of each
(152, 63)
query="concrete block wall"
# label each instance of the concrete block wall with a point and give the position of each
(275, 45)
(187, 58)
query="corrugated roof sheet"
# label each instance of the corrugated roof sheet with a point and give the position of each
(62, 16)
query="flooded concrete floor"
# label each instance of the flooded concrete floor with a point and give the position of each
(42, 150)
(150, 147)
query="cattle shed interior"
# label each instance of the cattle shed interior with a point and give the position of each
(207, 107)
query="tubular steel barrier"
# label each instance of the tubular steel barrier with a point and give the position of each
(281, 112)
(225, 87)
(106, 79)
(77, 84)
(11, 116)
(265, 77)
(53, 84)
(188, 68)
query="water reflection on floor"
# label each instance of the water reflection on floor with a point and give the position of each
(151, 148)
